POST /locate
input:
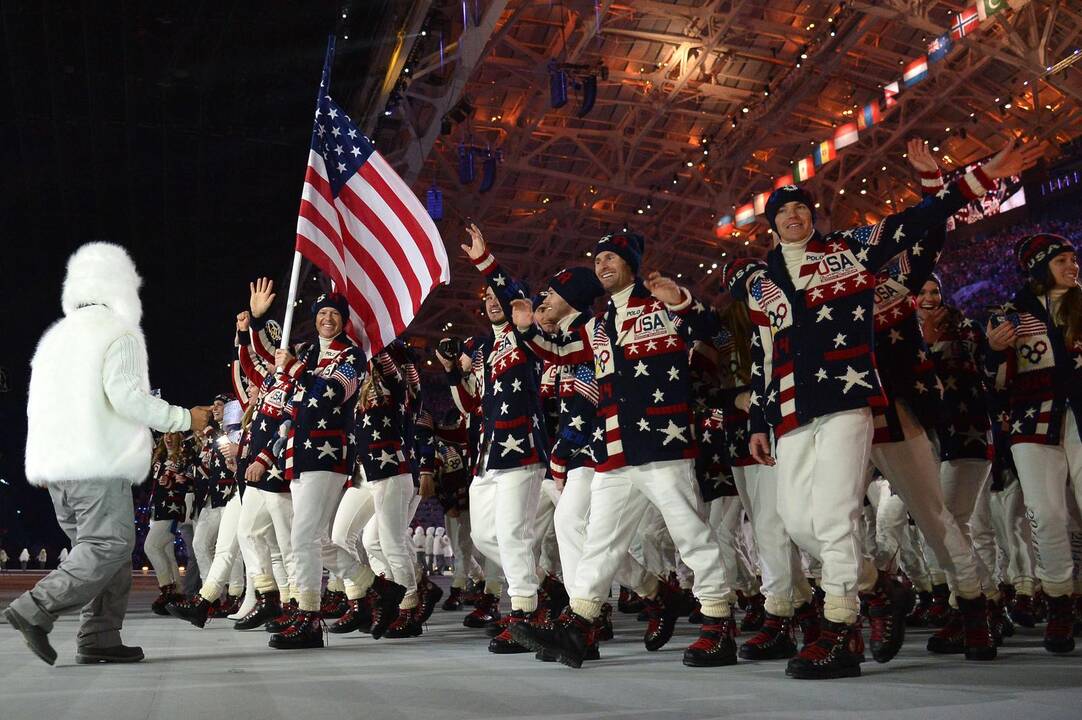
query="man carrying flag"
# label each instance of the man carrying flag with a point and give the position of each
(362, 226)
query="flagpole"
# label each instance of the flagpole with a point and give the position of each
(294, 276)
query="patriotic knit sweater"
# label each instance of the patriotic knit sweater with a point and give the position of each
(215, 482)
(639, 349)
(384, 433)
(575, 391)
(736, 423)
(958, 354)
(265, 431)
(712, 468)
(323, 405)
(169, 482)
(904, 362)
(1041, 375)
(504, 385)
(815, 354)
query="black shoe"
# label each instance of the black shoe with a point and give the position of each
(716, 645)
(384, 597)
(407, 624)
(283, 621)
(1059, 633)
(36, 638)
(485, 612)
(663, 611)
(629, 602)
(755, 614)
(918, 616)
(167, 595)
(267, 607)
(949, 639)
(830, 656)
(555, 594)
(194, 611)
(939, 611)
(886, 618)
(428, 594)
(115, 654)
(305, 633)
(1021, 610)
(774, 641)
(504, 643)
(357, 616)
(568, 638)
(976, 634)
(454, 599)
(603, 624)
(998, 622)
(546, 656)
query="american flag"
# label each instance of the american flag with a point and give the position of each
(765, 292)
(362, 225)
(585, 382)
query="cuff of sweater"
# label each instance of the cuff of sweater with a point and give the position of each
(485, 262)
(684, 304)
(588, 609)
(975, 184)
(931, 182)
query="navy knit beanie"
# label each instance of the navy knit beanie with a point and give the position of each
(627, 245)
(787, 194)
(579, 286)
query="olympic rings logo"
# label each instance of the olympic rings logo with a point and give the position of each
(1033, 353)
(778, 317)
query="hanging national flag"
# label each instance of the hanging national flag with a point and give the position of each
(759, 202)
(869, 116)
(362, 225)
(845, 136)
(938, 48)
(890, 95)
(988, 8)
(745, 215)
(783, 181)
(804, 169)
(724, 226)
(964, 23)
(915, 71)
(824, 153)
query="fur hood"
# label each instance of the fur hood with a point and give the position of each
(101, 273)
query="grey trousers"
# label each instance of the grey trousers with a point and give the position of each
(98, 518)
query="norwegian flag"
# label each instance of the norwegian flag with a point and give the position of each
(362, 225)
(964, 23)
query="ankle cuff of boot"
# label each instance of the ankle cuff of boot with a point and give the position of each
(715, 608)
(529, 604)
(840, 609)
(493, 587)
(335, 584)
(266, 583)
(409, 601)
(586, 609)
(357, 586)
(236, 590)
(210, 591)
(458, 584)
(779, 606)
(307, 601)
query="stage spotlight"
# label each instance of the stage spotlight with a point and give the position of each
(589, 94)
(488, 173)
(465, 165)
(434, 203)
(557, 86)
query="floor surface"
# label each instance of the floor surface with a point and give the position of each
(448, 674)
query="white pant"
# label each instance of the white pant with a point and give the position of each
(570, 520)
(913, 472)
(657, 553)
(205, 537)
(263, 530)
(617, 503)
(783, 581)
(158, 546)
(962, 481)
(466, 567)
(1003, 537)
(821, 471)
(503, 505)
(723, 517)
(354, 512)
(547, 551)
(898, 544)
(1044, 471)
(227, 567)
(391, 500)
(315, 499)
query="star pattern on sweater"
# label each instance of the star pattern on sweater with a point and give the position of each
(643, 425)
(839, 340)
(852, 377)
(576, 422)
(511, 444)
(329, 393)
(658, 395)
(385, 458)
(824, 314)
(672, 431)
(326, 450)
(640, 369)
(674, 374)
